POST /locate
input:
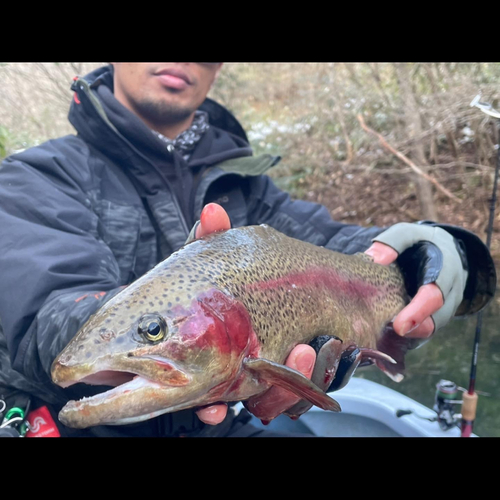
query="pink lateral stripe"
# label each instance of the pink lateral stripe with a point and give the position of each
(321, 278)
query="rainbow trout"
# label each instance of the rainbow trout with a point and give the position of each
(216, 321)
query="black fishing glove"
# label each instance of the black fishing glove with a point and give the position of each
(456, 260)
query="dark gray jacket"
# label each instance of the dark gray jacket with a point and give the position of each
(84, 215)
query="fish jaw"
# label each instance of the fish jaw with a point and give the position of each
(138, 400)
(197, 365)
(143, 395)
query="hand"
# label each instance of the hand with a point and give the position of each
(435, 268)
(302, 358)
(414, 320)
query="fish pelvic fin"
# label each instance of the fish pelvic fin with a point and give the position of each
(329, 351)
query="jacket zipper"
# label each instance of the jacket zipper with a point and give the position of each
(171, 150)
(84, 85)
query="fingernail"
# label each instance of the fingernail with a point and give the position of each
(408, 327)
(304, 362)
(371, 252)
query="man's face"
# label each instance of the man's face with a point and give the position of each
(163, 93)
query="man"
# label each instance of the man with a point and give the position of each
(85, 215)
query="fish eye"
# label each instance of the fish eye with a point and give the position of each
(152, 327)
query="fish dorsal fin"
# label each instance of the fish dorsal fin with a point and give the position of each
(275, 374)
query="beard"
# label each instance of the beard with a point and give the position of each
(162, 113)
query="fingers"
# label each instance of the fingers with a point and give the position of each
(213, 218)
(213, 414)
(302, 359)
(382, 254)
(414, 320)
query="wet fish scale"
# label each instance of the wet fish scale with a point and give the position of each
(306, 290)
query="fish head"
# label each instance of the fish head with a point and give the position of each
(160, 356)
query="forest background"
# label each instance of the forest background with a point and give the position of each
(377, 143)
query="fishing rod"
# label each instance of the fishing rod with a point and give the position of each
(470, 397)
(447, 392)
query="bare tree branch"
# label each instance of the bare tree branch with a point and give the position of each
(416, 169)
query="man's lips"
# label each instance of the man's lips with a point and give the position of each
(173, 79)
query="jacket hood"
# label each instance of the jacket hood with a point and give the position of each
(102, 121)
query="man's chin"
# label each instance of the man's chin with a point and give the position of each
(164, 113)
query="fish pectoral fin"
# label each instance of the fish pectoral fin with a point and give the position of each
(279, 375)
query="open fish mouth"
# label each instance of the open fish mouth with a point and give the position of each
(106, 377)
(131, 397)
(131, 382)
(115, 406)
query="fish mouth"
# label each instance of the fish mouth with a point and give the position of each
(129, 403)
(116, 371)
(109, 384)
(110, 378)
(129, 388)
(109, 389)
(108, 407)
